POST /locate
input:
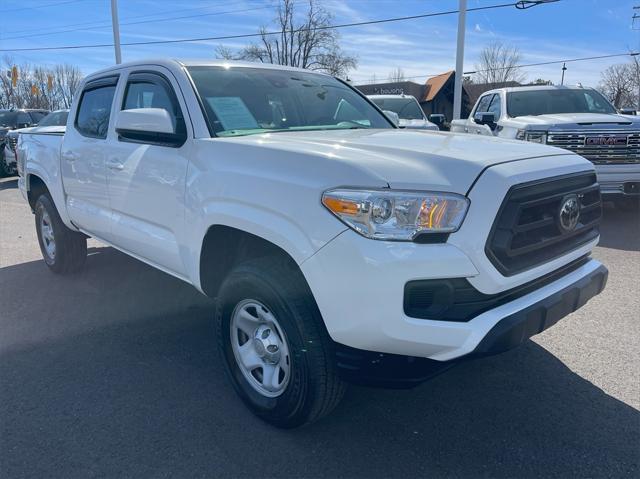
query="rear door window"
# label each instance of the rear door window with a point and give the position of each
(94, 111)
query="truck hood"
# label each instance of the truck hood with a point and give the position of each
(403, 159)
(579, 120)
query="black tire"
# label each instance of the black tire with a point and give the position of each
(313, 388)
(70, 246)
(4, 171)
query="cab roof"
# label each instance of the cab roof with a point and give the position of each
(174, 63)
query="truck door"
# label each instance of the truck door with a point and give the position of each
(83, 155)
(146, 176)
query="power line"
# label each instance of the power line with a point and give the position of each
(525, 65)
(555, 62)
(108, 22)
(254, 35)
(42, 6)
(157, 20)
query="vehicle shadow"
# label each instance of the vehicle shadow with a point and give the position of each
(620, 229)
(114, 372)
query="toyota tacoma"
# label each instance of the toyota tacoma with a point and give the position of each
(338, 247)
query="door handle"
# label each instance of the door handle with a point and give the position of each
(115, 165)
(70, 157)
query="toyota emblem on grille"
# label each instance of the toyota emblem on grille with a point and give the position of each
(569, 213)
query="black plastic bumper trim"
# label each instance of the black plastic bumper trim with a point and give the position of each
(516, 328)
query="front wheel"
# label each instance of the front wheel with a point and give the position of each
(274, 346)
(64, 250)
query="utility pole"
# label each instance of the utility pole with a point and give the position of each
(635, 60)
(564, 69)
(457, 87)
(116, 30)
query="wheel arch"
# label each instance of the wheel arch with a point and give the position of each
(224, 246)
(36, 186)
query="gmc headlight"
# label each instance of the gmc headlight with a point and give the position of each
(533, 136)
(396, 215)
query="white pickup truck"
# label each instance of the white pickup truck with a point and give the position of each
(575, 118)
(408, 110)
(337, 246)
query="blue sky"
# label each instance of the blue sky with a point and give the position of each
(422, 47)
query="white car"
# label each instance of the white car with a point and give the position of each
(410, 114)
(577, 119)
(339, 247)
(54, 122)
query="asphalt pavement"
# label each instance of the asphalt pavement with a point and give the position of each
(114, 373)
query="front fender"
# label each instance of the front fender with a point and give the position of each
(268, 224)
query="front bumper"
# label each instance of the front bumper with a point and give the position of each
(9, 156)
(619, 180)
(399, 371)
(359, 284)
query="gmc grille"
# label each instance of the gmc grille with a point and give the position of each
(527, 231)
(603, 148)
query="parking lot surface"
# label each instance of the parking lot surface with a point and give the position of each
(114, 373)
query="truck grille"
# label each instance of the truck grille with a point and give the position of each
(13, 142)
(530, 228)
(600, 147)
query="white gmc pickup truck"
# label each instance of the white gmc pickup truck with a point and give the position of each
(338, 247)
(577, 119)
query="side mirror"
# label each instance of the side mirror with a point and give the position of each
(437, 118)
(628, 111)
(485, 118)
(144, 120)
(23, 125)
(393, 116)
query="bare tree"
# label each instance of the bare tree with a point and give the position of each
(38, 87)
(396, 75)
(303, 40)
(66, 80)
(619, 83)
(499, 64)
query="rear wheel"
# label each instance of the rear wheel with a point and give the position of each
(274, 346)
(64, 250)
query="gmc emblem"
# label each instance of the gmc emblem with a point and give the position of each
(611, 140)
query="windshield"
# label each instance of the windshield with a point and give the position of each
(545, 102)
(245, 101)
(8, 118)
(56, 118)
(406, 108)
(36, 116)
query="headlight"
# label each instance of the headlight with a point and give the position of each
(396, 215)
(533, 136)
